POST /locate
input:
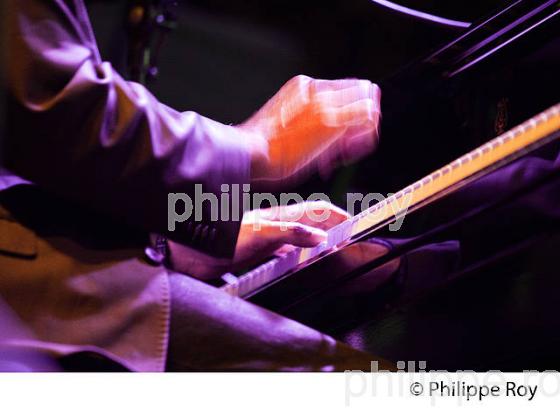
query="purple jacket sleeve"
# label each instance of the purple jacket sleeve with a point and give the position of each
(78, 129)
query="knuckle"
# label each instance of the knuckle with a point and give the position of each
(301, 79)
(364, 84)
(303, 86)
(297, 228)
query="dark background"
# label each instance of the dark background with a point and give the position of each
(227, 57)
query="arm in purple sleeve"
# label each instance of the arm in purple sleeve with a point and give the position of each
(78, 129)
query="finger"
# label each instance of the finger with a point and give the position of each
(284, 249)
(362, 91)
(294, 233)
(288, 101)
(299, 87)
(359, 113)
(337, 212)
(335, 85)
(320, 214)
(323, 214)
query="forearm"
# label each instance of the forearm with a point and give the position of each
(79, 129)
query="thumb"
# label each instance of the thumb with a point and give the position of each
(295, 233)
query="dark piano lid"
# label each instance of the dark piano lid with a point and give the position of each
(492, 42)
(488, 37)
(494, 33)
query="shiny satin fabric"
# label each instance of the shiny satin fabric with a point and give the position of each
(77, 128)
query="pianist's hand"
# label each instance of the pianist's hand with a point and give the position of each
(313, 125)
(263, 233)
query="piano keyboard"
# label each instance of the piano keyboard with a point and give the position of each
(524, 138)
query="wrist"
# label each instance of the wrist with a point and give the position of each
(259, 154)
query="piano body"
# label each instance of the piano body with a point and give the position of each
(478, 279)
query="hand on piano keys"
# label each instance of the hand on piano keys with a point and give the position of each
(279, 230)
(263, 233)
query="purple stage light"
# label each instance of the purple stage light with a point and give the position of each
(422, 15)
